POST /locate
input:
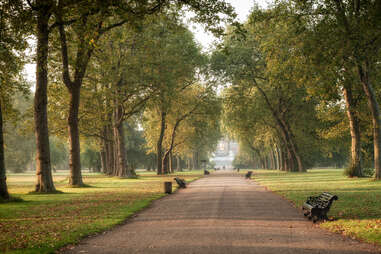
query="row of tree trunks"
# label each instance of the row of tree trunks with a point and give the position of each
(270, 160)
(284, 128)
(151, 163)
(113, 152)
(363, 65)
(122, 168)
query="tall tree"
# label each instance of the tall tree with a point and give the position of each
(42, 11)
(176, 60)
(360, 22)
(12, 45)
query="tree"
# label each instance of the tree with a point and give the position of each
(42, 11)
(12, 45)
(174, 70)
(92, 21)
(254, 62)
(359, 50)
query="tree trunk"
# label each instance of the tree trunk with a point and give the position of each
(102, 155)
(121, 165)
(277, 159)
(178, 163)
(3, 179)
(266, 166)
(196, 164)
(286, 158)
(75, 178)
(109, 150)
(170, 162)
(43, 165)
(355, 168)
(165, 163)
(272, 160)
(280, 158)
(159, 146)
(375, 112)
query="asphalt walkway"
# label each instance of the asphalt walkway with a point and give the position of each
(221, 213)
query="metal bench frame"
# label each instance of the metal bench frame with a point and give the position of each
(317, 207)
(180, 182)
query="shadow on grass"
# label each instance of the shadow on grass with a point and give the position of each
(45, 193)
(12, 199)
(84, 185)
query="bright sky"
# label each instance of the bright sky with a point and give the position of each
(242, 7)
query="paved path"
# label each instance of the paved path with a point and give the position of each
(221, 213)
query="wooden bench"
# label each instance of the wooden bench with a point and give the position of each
(180, 182)
(316, 208)
(248, 174)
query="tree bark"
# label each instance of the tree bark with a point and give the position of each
(121, 165)
(75, 178)
(43, 165)
(355, 168)
(375, 112)
(3, 179)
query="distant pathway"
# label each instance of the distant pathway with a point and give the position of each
(221, 213)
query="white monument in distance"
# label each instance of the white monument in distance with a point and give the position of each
(225, 153)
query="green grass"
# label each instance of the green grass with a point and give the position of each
(356, 214)
(42, 223)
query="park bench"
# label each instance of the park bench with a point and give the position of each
(248, 174)
(316, 208)
(180, 182)
(206, 172)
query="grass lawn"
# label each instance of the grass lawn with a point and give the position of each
(357, 213)
(43, 223)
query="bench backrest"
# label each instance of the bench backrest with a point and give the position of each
(324, 200)
(327, 197)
